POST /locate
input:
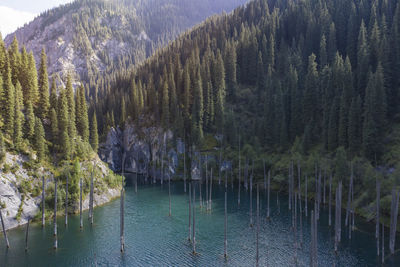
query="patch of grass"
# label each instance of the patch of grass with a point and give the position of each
(6, 168)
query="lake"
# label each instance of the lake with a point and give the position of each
(152, 238)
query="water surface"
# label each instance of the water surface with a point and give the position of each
(155, 239)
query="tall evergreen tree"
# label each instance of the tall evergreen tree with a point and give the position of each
(39, 139)
(44, 102)
(18, 116)
(94, 137)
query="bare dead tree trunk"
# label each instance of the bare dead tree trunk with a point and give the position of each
(338, 217)
(383, 243)
(66, 201)
(206, 185)
(211, 184)
(232, 177)
(269, 189)
(194, 219)
(378, 199)
(184, 165)
(290, 189)
(80, 203)
(226, 227)
(346, 221)
(169, 193)
(55, 214)
(91, 198)
(258, 224)
(305, 198)
(319, 193)
(251, 199)
(4, 230)
(239, 173)
(393, 220)
(277, 203)
(246, 172)
(122, 239)
(301, 222)
(220, 165)
(295, 228)
(324, 199)
(330, 201)
(190, 211)
(200, 185)
(43, 197)
(26, 235)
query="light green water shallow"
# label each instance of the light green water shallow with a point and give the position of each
(155, 239)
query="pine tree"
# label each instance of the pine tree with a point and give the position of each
(44, 103)
(310, 99)
(54, 126)
(219, 94)
(14, 60)
(198, 109)
(323, 57)
(69, 91)
(362, 60)
(63, 117)
(53, 94)
(94, 137)
(230, 67)
(123, 113)
(82, 120)
(18, 116)
(9, 101)
(30, 122)
(32, 87)
(39, 139)
(333, 126)
(2, 147)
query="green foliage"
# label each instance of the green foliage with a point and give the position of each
(39, 139)
(44, 102)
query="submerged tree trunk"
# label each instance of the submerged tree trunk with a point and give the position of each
(268, 193)
(251, 200)
(211, 184)
(55, 214)
(330, 201)
(258, 225)
(194, 219)
(338, 217)
(4, 229)
(305, 198)
(122, 239)
(80, 204)
(184, 166)
(383, 242)
(169, 193)
(378, 199)
(190, 211)
(43, 197)
(27, 234)
(226, 226)
(346, 221)
(91, 198)
(66, 201)
(239, 173)
(207, 206)
(301, 222)
(393, 220)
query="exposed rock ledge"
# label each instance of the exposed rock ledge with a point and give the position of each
(11, 194)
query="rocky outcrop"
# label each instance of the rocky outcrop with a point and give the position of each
(20, 189)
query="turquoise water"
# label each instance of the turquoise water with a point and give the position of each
(152, 238)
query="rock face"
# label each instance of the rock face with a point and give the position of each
(137, 150)
(19, 201)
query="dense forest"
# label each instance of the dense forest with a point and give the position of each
(37, 114)
(312, 80)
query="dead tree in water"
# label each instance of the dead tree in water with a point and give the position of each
(378, 199)
(246, 172)
(219, 167)
(80, 203)
(338, 217)
(200, 184)
(277, 203)
(55, 214)
(226, 226)
(27, 234)
(301, 222)
(190, 211)
(184, 166)
(265, 180)
(239, 173)
(66, 201)
(43, 197)
(269, 187)
(324, 190)
(211, 184)
(169, 193)
(383, 242)
(314, 239)
(393, 220)
(258, 224)
(122, 239)
(91, 198)
(346, 221)
(194, 219)
(305, 197)
(330, 201)
(295, 227)
(206, 184)
(4, 229)
(251, 198)
(232, 177)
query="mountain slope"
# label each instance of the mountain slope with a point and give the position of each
(313, 82)
(93, 36)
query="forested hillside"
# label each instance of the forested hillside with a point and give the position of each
(90, 37)
(313, 81)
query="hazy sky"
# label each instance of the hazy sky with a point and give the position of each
(15, 13)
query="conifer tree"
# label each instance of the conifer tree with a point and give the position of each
(9, 101)
(39, 139)
(69, 91)
(198, 109)
(123, 113)
(63, 124)
(14, 60)
(53, 94)
(355, 125)
(54, 126)
(165, 106)
(32, 88)
(2, 147)
(310, 99)
(362, 60)
(44, 102)
(94, 137)
(18, 116)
